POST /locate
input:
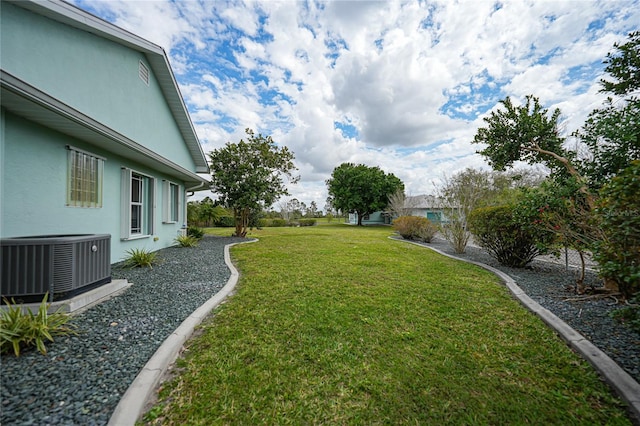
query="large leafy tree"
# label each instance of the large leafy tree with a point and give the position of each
(361, 189)
(612, 133)
(249, 175)
(528, 133)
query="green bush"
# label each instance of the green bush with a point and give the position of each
(307, 222)
(20, 329)
(415, 228)
(186, 241)
(618, 255)
(225, 222)
(272, 223)
(496, 230)
(629, 315)
(139, 258)
(195, 232)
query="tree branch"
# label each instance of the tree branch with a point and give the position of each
(572, 171)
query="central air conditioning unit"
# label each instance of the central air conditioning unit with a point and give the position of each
(61, 265)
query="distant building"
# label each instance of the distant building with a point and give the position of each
(427, 206)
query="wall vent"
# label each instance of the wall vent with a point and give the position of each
(143, 72)
(58, 264)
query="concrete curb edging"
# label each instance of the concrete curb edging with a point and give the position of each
(132, 403)
(621, 381)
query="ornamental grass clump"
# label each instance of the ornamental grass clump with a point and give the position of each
(186, 241)
(195, 232)
(23, 329)
(415, 228)
(140, 258)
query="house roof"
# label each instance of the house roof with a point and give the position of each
(70, 15)
(423, 202)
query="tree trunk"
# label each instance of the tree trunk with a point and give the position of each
(580, 281)
(242, 221)
(360, 215)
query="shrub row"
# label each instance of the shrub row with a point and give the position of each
(276, 223)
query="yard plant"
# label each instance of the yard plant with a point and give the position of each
(21, 329)
(334, 324)
(249, 175)
(195, 232)
(415, 228)
(498, 231)
(140, 258)
(186, 241)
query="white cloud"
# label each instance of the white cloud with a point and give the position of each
(413, 78)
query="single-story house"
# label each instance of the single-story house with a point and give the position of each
(427, 206)
(95, 137)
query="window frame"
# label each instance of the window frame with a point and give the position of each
(84, 181)
(171, 202)
(142, 207)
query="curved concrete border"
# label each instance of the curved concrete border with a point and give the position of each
(618, 379)
(132, 403)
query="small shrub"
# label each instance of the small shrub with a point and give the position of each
(415, 228)
(307, 222)
(139, 258)
(20, 329)
(496, 230)
(186, 241)
(456, 233)
(278, 223)
(629, 315)
(195, 232)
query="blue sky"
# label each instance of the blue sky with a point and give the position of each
(399, 85)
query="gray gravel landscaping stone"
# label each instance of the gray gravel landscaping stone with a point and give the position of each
(81, 378)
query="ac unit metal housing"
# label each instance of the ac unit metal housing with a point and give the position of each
(61, 265)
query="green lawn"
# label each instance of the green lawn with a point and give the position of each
(336, 324)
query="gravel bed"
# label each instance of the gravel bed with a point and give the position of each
(81, 378)
(550, 284)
